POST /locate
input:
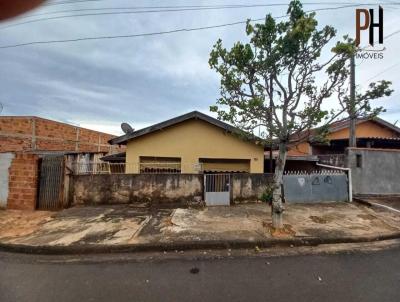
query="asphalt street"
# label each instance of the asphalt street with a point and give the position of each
(343, 276)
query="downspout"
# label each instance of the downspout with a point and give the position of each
(349, 176)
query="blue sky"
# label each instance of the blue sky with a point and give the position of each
(143, 80)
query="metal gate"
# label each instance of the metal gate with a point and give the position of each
(217, 189)
(51, 185)
(322, 186)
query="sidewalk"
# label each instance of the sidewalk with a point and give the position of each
(128, 228)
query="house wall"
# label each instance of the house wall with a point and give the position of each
(5, 163)
(190, 141)
(21, 133)
(365, 129)
(379, 171)
(303, 148)
(23, 182)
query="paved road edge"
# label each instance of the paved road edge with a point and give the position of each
(188, 245)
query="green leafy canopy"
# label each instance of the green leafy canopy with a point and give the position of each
(271, 82)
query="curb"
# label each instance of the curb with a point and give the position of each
(185, 245)
(363, 202)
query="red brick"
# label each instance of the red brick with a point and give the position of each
(23, 179)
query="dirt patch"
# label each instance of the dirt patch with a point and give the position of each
(97, 237)
(318, 219)
(325, 233)
(286, 232)
(366, 216)
(15, 223)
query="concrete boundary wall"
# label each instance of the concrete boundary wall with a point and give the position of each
(5, 164)
(374, 171)
(136, 188)
(179, 189)
(249, 187)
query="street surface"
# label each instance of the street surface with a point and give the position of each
(354, 274)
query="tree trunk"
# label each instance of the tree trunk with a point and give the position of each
(277, 197)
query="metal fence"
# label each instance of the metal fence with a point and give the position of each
(318, 186)
(123, 168)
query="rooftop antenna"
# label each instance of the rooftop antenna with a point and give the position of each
(127, 128)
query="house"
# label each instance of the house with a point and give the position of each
(191, 143)
(370, 133)
(29, 145)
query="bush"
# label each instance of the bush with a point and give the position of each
(267, 195)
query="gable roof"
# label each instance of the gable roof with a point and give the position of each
(345, 123)
(176, 120)
(340, 125)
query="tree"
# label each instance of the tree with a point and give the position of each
(271, 82)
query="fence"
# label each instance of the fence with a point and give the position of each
(123, 168)
(137, 188)
(102, 183)
(318, 186)
(374, 171)
(164, 188)
(337, 160)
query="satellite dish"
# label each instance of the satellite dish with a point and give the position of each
(127, 128)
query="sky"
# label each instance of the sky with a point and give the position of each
(98, 84)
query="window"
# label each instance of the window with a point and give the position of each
(358, 160)
(151, 164)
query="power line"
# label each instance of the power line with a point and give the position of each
(383, 71)
(133, 10)
(143, 12)
(56, 3)
(190, 6)
(161, 32)
(69, 2)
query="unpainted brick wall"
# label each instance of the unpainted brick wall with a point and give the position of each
(25, 133)
(23, 182)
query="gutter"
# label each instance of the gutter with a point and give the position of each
(348, 170)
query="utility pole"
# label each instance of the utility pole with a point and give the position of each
(270, 117)
(352, 109)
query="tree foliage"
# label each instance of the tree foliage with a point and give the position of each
(271, 82)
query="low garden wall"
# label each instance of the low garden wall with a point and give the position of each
(178, 189)
(249, 187)
(136, 188)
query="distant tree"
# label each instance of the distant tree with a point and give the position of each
(271, 82)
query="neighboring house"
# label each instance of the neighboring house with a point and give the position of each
(191, 143)
(26, 142)
(370, 133)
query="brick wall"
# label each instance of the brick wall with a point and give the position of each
(23, 182)
(21, 133)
